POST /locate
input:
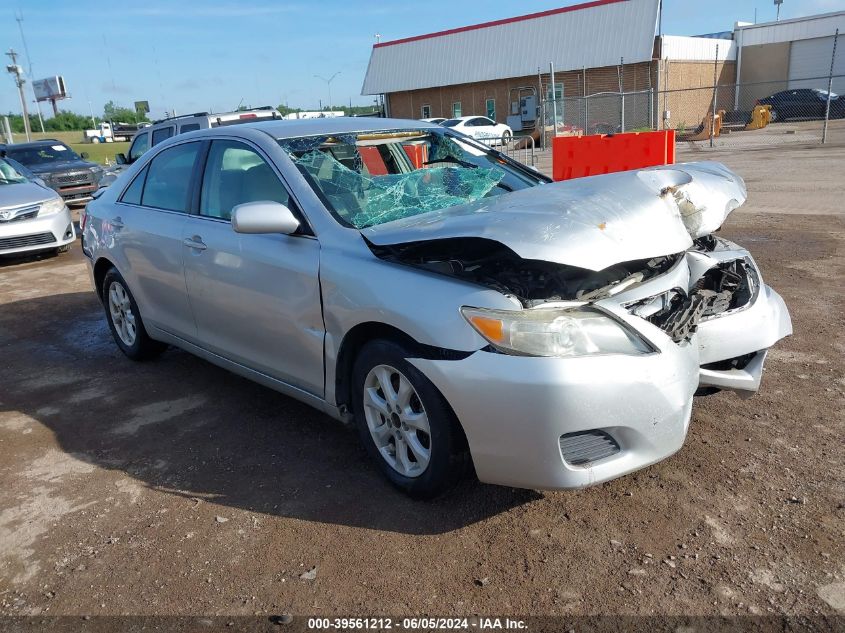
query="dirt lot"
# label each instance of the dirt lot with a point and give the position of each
(174, 487)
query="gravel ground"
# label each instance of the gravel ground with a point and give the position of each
(174, 487)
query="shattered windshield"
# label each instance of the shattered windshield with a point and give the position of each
(376, 177)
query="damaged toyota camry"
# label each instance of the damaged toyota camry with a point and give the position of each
(464, 312)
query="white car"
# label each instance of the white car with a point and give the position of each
(481, 128)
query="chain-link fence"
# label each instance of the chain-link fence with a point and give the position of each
(748, 114)
(755, 114)
(601, 113)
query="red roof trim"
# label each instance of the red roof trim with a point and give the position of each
(484, 25)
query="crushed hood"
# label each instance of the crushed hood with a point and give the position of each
(592, 222)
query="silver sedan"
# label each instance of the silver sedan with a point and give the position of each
(461, 310)
(33, 217)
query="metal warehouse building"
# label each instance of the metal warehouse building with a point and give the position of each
(599, 50)
(596, 47)
(790, 54)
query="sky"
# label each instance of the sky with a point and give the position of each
(212, 55)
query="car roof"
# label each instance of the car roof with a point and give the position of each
(38, 143)
(291, 128)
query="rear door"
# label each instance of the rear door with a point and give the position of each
(255, 298)
(147, 228)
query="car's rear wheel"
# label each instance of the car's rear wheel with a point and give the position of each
(774, 115)
(506, 137)
(405, 423)
(124, 320)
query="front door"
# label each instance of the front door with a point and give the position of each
(255, 298)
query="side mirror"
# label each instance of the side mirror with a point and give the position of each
(263, 216)
(120, 159)
(84, 155)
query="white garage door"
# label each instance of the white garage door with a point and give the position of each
(809, 63)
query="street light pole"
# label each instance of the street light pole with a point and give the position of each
(329, 84)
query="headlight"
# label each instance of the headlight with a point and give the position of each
(561, 332)
(51, 207)
(97, 172)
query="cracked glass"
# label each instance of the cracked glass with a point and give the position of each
(373, 178)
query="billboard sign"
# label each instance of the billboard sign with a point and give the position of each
(142, 107)
(49, 89)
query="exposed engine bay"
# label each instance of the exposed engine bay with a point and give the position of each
(531, 282)
(724, 287)
(727, 286)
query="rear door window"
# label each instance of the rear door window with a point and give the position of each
(168, 182)
(132, 195)
(189, 127)
(162, 134)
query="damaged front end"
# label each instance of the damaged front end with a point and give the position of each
(575, 249)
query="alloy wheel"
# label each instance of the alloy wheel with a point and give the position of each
(397, 420)
(120, 309)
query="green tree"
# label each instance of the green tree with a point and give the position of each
(284, 110)
(122, 114)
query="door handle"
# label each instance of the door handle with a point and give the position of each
(195, 242)
(117, 223)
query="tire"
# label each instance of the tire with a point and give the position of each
(128, 332)
(774, 116)
(447, 454)
(95, 140)
(506, 137)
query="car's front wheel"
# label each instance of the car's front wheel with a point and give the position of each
(774, 115)
(506, 137)
(405, 423)
(124, 320)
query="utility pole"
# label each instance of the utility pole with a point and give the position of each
(19, 18)
(829, 86)
(17, 71)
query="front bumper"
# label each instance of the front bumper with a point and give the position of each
(515, 409)
(748, 332)
(37, 234)
(76, 194)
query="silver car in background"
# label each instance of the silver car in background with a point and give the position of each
(462, 310)
(33, 217)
